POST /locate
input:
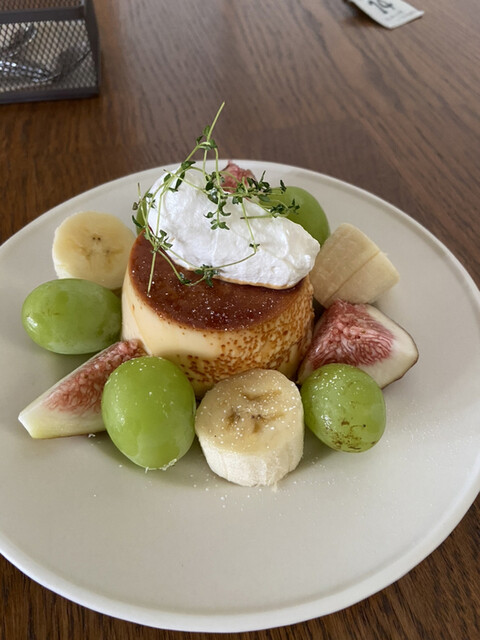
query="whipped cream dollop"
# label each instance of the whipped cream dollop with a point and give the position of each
(286, 252)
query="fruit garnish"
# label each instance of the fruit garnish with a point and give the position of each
(344, 407)
(92, 246)
(304, 210)
(350, 266)
(250, 427)
(72, 406)
(232, 176)
(148, 408)
(72, 316)
(362, 336)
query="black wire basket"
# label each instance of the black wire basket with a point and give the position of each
(48, 50)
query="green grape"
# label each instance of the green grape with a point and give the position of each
(309, 215)
(148, 408)
(72, 316)
(344, 407)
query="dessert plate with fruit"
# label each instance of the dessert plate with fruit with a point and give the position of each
(219, 525)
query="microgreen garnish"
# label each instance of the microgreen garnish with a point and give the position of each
(248, 188)
(207, 272)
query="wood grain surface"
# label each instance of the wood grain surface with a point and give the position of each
(310, 83)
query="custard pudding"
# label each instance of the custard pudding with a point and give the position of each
(214, 332)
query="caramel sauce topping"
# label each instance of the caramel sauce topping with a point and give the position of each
(225, 305)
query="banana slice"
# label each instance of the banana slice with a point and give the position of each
(251, 427)
(342, 254)
(368, 283)
(93, 246)
(351, 266)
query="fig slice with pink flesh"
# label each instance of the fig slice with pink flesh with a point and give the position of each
(232, 175)
(72, 406)
(363, 336)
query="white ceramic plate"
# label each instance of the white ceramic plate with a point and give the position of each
(186, 550)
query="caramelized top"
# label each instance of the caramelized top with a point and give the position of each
(224, 305)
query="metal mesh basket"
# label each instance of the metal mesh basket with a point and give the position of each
(48, 50)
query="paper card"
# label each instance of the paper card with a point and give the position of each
(388, 13)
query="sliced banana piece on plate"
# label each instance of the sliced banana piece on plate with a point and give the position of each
(367, 284)
(93, 246)
(251, 427)
(350, 266)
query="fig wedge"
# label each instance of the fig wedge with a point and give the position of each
(72, 406)
(363, 336)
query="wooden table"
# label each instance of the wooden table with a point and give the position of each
(307, 83)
